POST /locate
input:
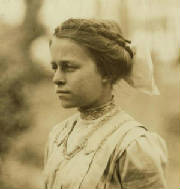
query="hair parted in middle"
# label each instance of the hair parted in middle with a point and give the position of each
(105, 43)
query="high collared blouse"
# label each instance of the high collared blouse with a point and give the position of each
(113, 151)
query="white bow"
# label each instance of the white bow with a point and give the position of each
(142, 77)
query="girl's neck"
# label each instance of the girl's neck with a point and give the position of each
(93, 113)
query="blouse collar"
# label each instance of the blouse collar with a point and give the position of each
(97, 112)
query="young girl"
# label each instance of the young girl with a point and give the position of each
(101, 146)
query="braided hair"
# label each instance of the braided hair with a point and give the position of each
(103, 39)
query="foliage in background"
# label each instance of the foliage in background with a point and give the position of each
(16, 71)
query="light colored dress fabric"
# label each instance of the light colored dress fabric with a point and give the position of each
(119, 154)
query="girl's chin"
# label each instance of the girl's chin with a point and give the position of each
(68, 104)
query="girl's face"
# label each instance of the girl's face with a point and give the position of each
(77, 80)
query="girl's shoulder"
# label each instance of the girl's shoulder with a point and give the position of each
(137, 133)
(144, 140)
(139, 139)
(144, 155)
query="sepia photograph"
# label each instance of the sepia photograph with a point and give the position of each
(89, 94)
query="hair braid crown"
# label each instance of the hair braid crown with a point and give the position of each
(105, 28)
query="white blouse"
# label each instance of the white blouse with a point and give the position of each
(114, 151)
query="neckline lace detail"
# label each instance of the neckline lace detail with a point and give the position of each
(97, 112)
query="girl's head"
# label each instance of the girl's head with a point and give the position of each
(88, 57)
(105, 43)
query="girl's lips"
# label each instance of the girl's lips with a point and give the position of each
(63, 96)
(62, 92)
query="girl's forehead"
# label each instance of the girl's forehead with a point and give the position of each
(66, 44)
(64, 47)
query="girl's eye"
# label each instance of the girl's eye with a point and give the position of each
(67, 68)
(54, 66)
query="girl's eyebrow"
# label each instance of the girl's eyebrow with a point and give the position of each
(52, 62)
(64, 62)
(60, 62)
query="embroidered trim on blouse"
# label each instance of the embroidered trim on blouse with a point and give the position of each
(79, 147)
(95, 113)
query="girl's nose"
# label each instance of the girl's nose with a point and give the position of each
(58, 78)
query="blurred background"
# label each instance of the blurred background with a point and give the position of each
(28, 105)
